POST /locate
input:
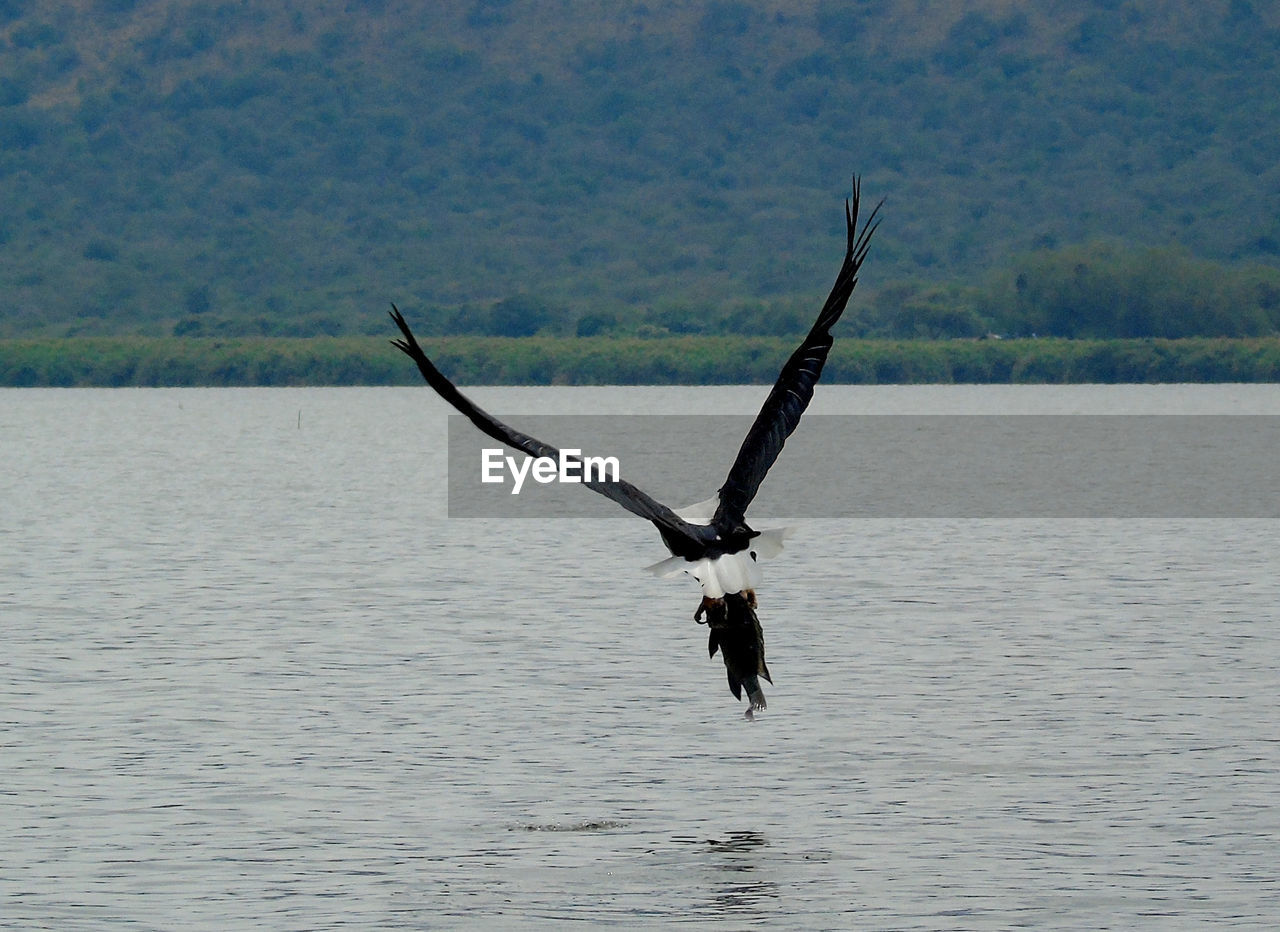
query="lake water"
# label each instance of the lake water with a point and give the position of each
(253, 678)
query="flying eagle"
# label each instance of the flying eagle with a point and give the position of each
(711, 541)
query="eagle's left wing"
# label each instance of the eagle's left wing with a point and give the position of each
(682, 537)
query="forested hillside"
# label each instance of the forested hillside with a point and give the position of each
(593, 167)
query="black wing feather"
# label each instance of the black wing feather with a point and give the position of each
(680, 535)
(793, 390)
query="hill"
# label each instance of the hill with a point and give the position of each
(505, 166)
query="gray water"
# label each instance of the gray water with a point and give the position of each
(251, 677)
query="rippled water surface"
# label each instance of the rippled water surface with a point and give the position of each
(252, 677)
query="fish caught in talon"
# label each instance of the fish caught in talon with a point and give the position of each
(737, 635)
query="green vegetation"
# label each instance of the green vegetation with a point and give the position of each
(227, 169)
(111, 361)
(1098, 290)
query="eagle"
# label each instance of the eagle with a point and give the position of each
(711, 541)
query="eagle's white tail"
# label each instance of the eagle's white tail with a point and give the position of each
(731, 572)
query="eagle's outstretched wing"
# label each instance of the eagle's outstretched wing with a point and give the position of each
(793, 390)
(680, 536)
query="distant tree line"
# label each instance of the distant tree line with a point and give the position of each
(691, 360)
(1099, 291)
(1094, 291)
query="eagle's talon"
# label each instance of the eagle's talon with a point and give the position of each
(704, 607)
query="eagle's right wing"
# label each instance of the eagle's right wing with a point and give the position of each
(793, 390)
